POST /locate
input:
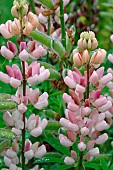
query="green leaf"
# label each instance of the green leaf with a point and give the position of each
(64, 167)
(4, 106)
(104, 165)
(48, 160)
(109, 5)
(53, 125)
(55, 143)
(4, 144)
(4, 96)
(111, 167)
(106, 14)
(48, 41)
(6, 134)
(54, 75)
(92, 165)
(46, 65)
(47, 3)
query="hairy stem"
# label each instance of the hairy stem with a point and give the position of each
(87, 90)
(62, 23)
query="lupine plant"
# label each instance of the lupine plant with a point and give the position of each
(58, 115)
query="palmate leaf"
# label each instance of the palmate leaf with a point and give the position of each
(54, 142)
(47, 3)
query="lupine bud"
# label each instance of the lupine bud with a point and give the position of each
(77, 59)
(15, 27)
(65, 141)
(5, 29)
(40, 152)
(111, 38)
(28, 28)
(14, 82)
(29, 154)
(110, 58)
(69, 160)
(7, 161)
(14, 11)
(84, 131)
(6, 53)
(106, 79)
(101, 126)
(85, 56)
(98, 56)
(24, 55)
(102, 139)
(69, 82)
(94, 152)
(81, 146)
(93, 78)
(36, 132)
(33, 19)
(4, 77)
(11, 154)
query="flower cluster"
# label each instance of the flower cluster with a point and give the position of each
(86, 109)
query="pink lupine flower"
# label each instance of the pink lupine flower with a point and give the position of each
(35, 125)
(111, 37)
(15, 27)
(5, 29)
(94, 152)
(36, 51)
(36, 73)
(9, 52)
(102, 139)
(110, 58)
(69, 160)
(98, 56)
(34, 150)
(14, 76)
(81, 146)
(65, 141)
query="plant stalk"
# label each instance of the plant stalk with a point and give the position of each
(62, 24)
(24, 94)
(80, 166)
(87, 90)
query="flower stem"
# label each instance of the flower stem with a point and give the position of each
(80, 166)
(87, 90)
(24, 114)
(24, 94)
(62, 23)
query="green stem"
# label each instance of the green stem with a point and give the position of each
(80, 166)
(62, 23)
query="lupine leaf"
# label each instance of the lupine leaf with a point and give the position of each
(6, 134)
(111, 167)
(46, 65)
(48, 41)
(7, 105)
(47, 3)
(48, 160)
(104, 165)
(55, 143)
(92, 165)
(64, 167)
(54, 75)
(53, 125)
